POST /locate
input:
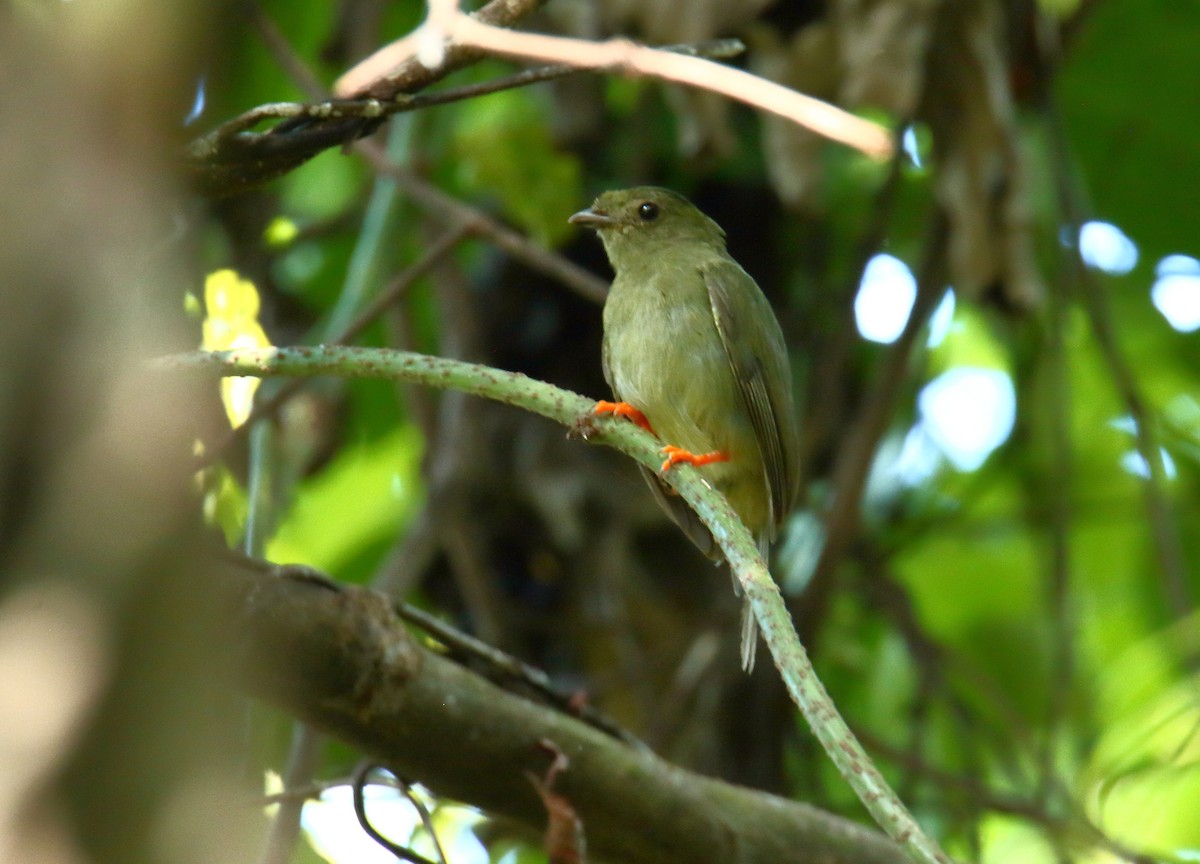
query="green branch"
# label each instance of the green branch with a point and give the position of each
(575, 412)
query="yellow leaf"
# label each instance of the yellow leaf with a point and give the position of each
(232, 305)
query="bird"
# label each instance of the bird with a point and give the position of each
(693, 352)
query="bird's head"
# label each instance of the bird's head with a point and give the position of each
(647, 220)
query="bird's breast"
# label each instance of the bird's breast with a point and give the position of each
(666, 358)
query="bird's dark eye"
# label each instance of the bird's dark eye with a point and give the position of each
(648, 211)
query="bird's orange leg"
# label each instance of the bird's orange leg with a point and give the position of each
(623, 409)
(677, 455)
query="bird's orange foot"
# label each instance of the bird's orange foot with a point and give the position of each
(623, 409)
(677, 455)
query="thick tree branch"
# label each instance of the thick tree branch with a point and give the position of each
(231, 158)
(340, 659)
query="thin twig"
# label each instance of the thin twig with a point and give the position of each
(502, 665)
(446, 25)
(998, 802)
(303, 756)
(426, 817)
(361, 776)
(716, 49)
(454, 212)
(1060, 471)
(1171, 559)
(299, 71)
(875, 410)
(308, 792)
(827, 379)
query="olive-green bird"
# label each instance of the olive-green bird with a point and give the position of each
(694, 353)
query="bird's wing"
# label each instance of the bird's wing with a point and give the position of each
(762, 377)
(608, 376)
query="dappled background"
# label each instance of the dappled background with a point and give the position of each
(994, 564)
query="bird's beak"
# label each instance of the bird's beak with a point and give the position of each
(592, 219)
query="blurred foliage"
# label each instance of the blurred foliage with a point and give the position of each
(503, 147)
(956, 671)
(376, 483)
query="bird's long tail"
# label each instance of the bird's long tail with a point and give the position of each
(749, 622)
(749, 636)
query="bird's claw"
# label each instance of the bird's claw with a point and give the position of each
(623, 409)
(677, 455)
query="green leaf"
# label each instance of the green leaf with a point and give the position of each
(365, 496)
